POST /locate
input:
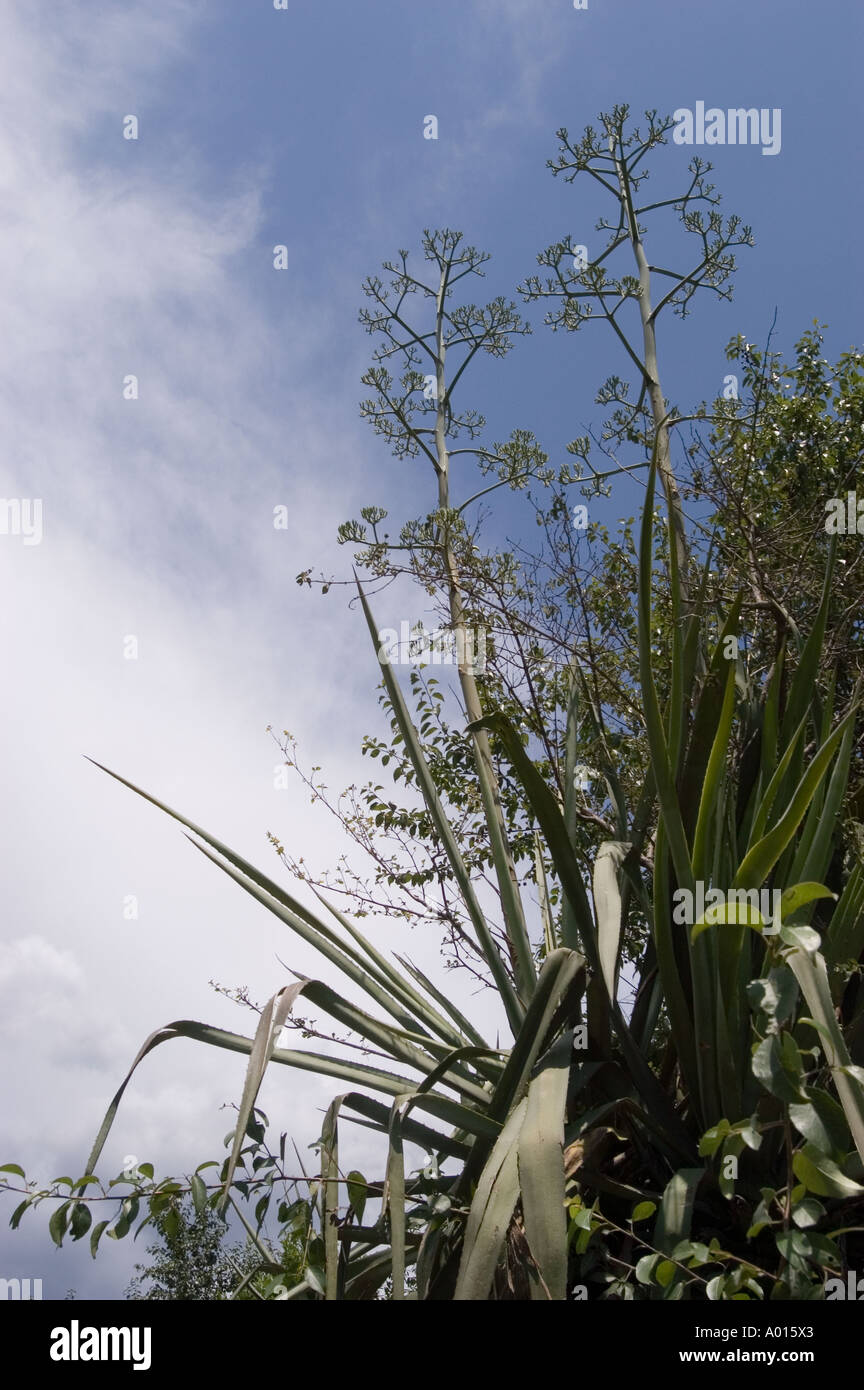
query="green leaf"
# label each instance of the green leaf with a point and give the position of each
(821, 1175)
(729, 914)
(769, 1067)
(13, 1168)
(751, 1136)
(713, 1138)
(804, 938)
(802, 893)
(775, 994)
(820, 1120)
(799, 1247)
(816, 848)
(81, 1218)
(642, 1211)
(694, 1251)
(808, 1212)
(845, 939)
(357, 1194)
(581, 1216)
(199, 1193)
(761, 1218)
(19, 1211)
(57, 1223)
(95, 1236)
(645, 1268)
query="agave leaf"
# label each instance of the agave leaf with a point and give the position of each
(760, 860)
(549, 942)
(512, 1006)
(405, 990)
(540, 1155)
(678, 1000)
(395, 1199)
(844, 939)
(554, 828)
(329, 1195)
(693, 660)
(607, 906)
(511, 902)
(657, 745)
(556, 985)
(804, 686)
(559, 973)
(398, 1045)
(778, 777)
(676, 1208)
(459, 1116)
(368, 979)
(491, 1212)
(771, 718)
(366, 1273)
(817, 843)
(679, 696)
(286, 908)
(714, 774)
(273, 1016)
(811, 974)
(704, 993)
(466, 1028)
(430, 1139)
(595, 715)
(705, 723)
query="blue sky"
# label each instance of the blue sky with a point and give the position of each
(301, 127)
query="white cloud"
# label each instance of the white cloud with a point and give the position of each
(157, 524)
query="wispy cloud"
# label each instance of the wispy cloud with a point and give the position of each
(157, 525)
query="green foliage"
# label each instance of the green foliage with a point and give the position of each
(192, 1259)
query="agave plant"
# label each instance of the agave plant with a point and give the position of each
(708, 1141)
(742, 1005)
